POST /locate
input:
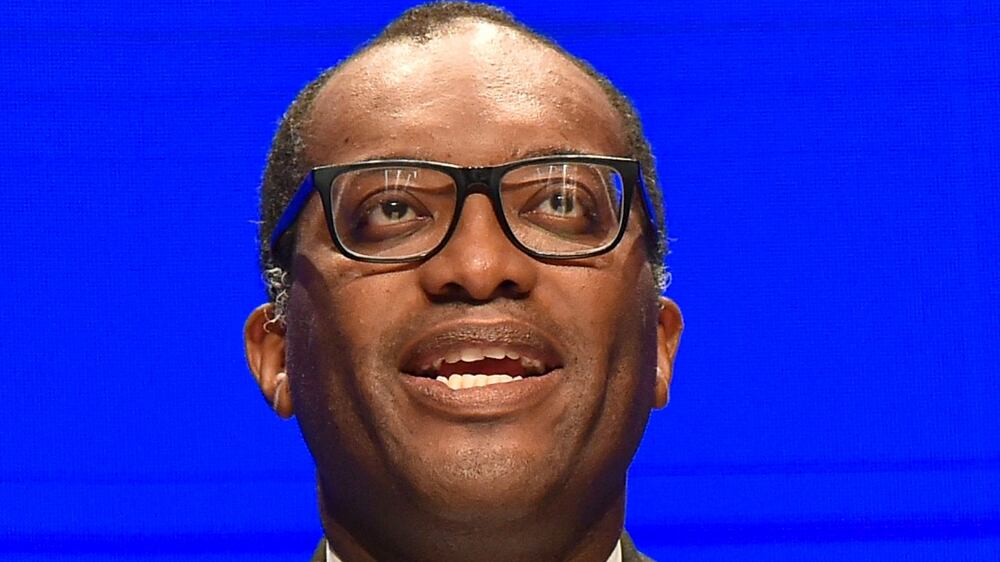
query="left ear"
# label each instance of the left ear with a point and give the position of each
(670, 324)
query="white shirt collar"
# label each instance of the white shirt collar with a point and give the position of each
(616, 554)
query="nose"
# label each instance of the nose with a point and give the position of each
(478, 263)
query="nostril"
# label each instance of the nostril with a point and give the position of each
(511, 289)
(457, 292)
(451, 292)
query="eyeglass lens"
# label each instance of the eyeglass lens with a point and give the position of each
(557, 209)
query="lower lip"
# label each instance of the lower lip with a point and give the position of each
(481, 402)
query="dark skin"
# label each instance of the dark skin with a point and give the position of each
(407, 473)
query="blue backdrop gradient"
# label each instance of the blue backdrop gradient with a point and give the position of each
(832, 172)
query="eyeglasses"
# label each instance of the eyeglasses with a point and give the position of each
(552, 207)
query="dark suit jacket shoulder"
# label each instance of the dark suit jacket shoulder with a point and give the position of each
(629, 552)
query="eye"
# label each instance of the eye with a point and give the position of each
(561, 202)
(390, 215)
(564, 209)
(389, 212)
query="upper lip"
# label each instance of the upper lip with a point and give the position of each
(513, 338)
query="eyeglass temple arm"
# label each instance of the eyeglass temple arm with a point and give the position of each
(295, 206)
(647, 203)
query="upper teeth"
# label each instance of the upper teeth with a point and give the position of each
(472, 354)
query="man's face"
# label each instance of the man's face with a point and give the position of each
(385, 437)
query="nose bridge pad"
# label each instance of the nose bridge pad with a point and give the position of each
(482, 190)
(476, 193)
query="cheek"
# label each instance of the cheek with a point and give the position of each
(609, 310)
(338, 360)
(612, 303)
(319, 352)
(339, 308)
(346, 319)
(325, 330)
(608, 295)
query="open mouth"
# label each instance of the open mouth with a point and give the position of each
(474, 366)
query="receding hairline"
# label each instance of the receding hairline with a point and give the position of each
(452, 28)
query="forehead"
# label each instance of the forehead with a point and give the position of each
(475, 94)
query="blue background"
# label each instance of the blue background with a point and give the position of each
(833, 180)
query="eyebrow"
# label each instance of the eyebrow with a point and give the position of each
(546, 151)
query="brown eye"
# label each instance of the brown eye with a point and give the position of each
(560, 203)
(391, 211)
(389, 215)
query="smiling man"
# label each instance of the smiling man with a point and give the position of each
(463, 243)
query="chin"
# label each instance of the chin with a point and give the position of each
(487, 485)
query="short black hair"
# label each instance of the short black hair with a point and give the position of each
(288, 163)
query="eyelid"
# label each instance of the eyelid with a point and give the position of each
(542, 183)
(390, 187)
(378, 197)
(409, 191)
(542, 186)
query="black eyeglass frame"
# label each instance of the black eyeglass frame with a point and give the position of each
(484, 180)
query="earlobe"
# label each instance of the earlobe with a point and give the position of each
(670, 324)
(264, 343)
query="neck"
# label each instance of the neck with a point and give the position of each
(408, 535)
